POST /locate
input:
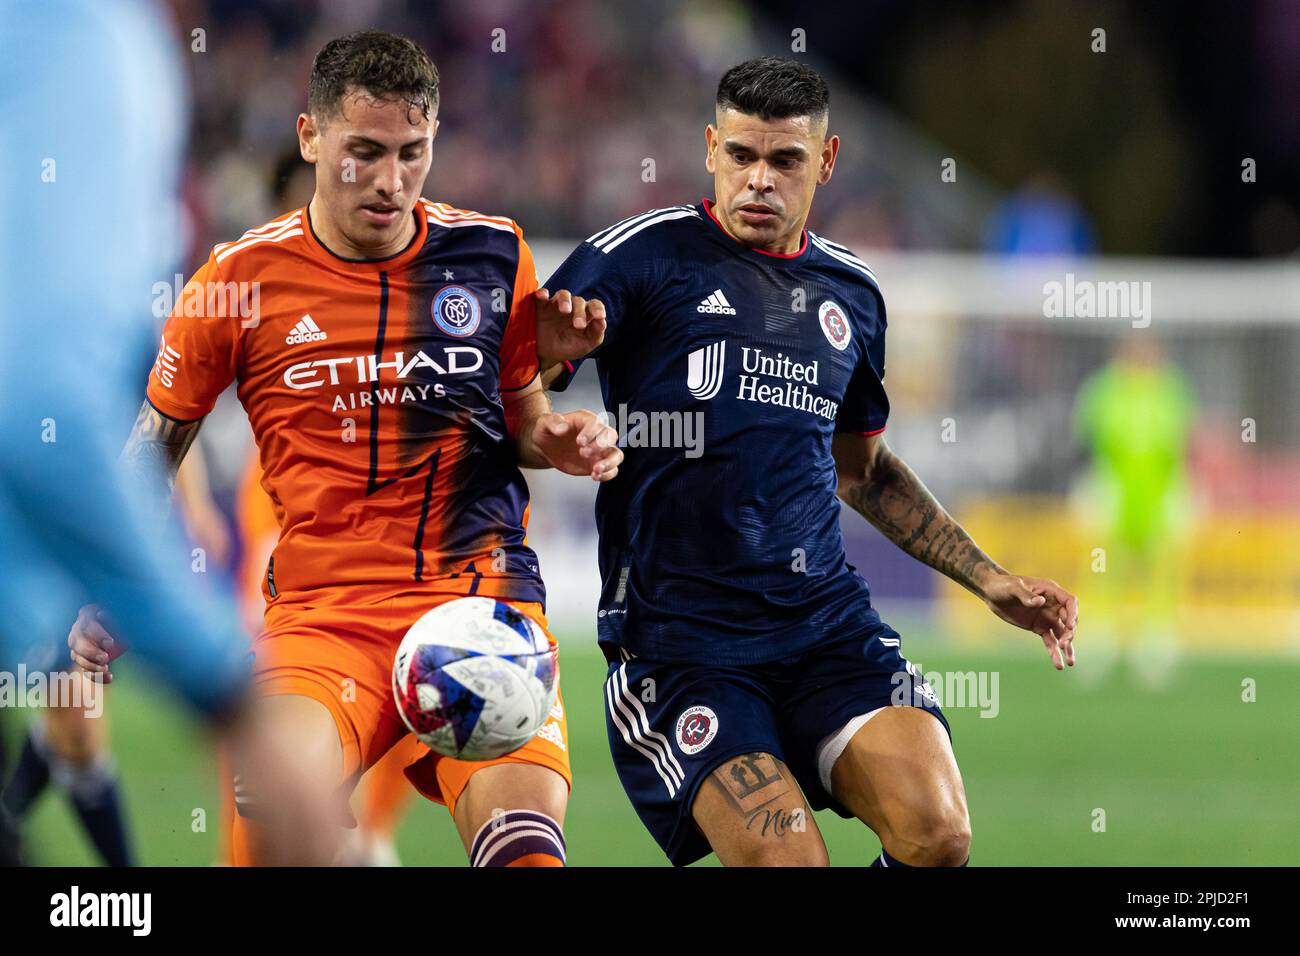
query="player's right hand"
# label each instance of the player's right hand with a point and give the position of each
(1038, 605)
(91, 646)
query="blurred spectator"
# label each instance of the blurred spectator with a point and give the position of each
(1040, 219)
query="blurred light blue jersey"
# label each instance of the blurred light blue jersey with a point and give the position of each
(94, 114)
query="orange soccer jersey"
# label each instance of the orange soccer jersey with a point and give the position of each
(374, 392)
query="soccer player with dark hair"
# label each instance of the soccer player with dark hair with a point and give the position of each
(750, 678)
(389, 368)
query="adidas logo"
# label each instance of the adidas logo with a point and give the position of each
(305, 331)
(716, 304)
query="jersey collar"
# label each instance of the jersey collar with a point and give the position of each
(793, 258)
(387, 264)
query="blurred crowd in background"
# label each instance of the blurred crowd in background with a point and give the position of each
(1008, 128)
(550, 110)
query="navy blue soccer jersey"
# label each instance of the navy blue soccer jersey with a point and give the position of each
(728, 371)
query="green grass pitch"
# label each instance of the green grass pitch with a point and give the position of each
(1189, 774)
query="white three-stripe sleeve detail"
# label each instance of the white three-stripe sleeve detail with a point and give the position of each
(461, 223)
(266, 232)
(621, 224)
(680, 214)
(278, 237)
(605, 235)
(271, 228)
(847, 259)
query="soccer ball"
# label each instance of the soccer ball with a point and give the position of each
(475, 678)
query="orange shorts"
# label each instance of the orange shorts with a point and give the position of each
(339, 651)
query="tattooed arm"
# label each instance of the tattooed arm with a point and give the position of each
(877, 484)
(156, 446)
(158, 443)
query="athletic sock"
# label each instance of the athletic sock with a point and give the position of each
(886, 860)
(31, 775)
(518, 838)
(536, 859)
(10, 848)
(93, 792)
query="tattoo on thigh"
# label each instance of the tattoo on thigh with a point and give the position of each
(777, 821)
(751, 781)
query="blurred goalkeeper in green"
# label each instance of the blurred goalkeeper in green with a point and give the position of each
(1135, 417)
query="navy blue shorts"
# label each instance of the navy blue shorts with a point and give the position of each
(671, 725)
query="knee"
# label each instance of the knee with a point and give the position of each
(512, 786)
(73, 737)
(303, 732)
(936, 839)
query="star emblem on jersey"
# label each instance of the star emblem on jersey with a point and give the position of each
(715, 303)
(306, 330)
(835, 325)
(455, 310)
(696, 728)
(704, 368)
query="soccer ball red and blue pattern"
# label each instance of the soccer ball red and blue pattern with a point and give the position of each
(475, 678)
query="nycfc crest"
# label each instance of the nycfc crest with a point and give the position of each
(455, 310)
(835, 324)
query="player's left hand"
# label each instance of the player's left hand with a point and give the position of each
(1038, 605)
(578, 443)
(568, 326)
